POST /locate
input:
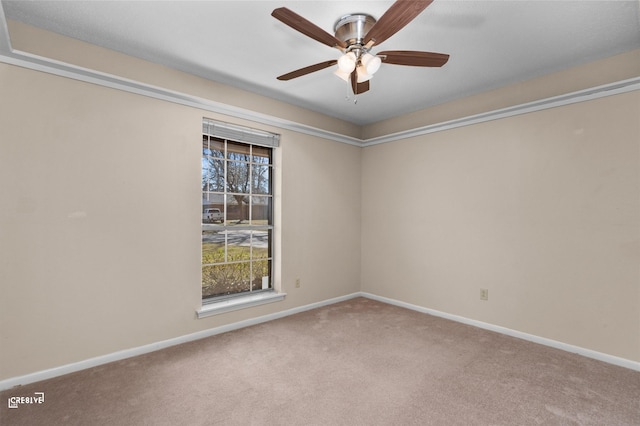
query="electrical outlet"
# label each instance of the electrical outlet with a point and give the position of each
(297, 282)
(484, 294)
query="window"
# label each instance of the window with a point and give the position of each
(237, 210)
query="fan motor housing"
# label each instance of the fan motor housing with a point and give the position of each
(353, 27)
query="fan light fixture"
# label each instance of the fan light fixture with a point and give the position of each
(347, 62)
(371, 63)
(362, 74)
(343, 74)
(365, 65)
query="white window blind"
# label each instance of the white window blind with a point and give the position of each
(240, 133)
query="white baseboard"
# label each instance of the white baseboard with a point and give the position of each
(610, 359)
(140, 350)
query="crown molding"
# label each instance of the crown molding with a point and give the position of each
(27, 60)
(609, 89)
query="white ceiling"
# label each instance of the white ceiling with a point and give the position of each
(491, 43)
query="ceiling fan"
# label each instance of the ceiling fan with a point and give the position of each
(355, 35)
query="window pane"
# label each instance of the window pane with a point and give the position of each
(260, 244)
(261, 179)
(261, 210)
(212, 147)
(238, 177)
(212, 207)
(237, 209)
(224, 279)
(212, 247)
(213, 200)
(238, 151)
(261, 155)
(212, 174)
(261, 274)
(238, 246)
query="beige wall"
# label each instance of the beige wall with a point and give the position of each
(542, 209)
(100, 213)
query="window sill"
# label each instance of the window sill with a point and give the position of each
(237, 303)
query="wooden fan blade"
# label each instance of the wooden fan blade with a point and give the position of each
(413, 58)
(307, 28)
(358, 87)
(307, 70)
(362, 87)
(354, 82)
(394, 19)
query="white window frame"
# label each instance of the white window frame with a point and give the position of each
(225, 303)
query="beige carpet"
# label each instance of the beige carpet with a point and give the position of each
(358, 362)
